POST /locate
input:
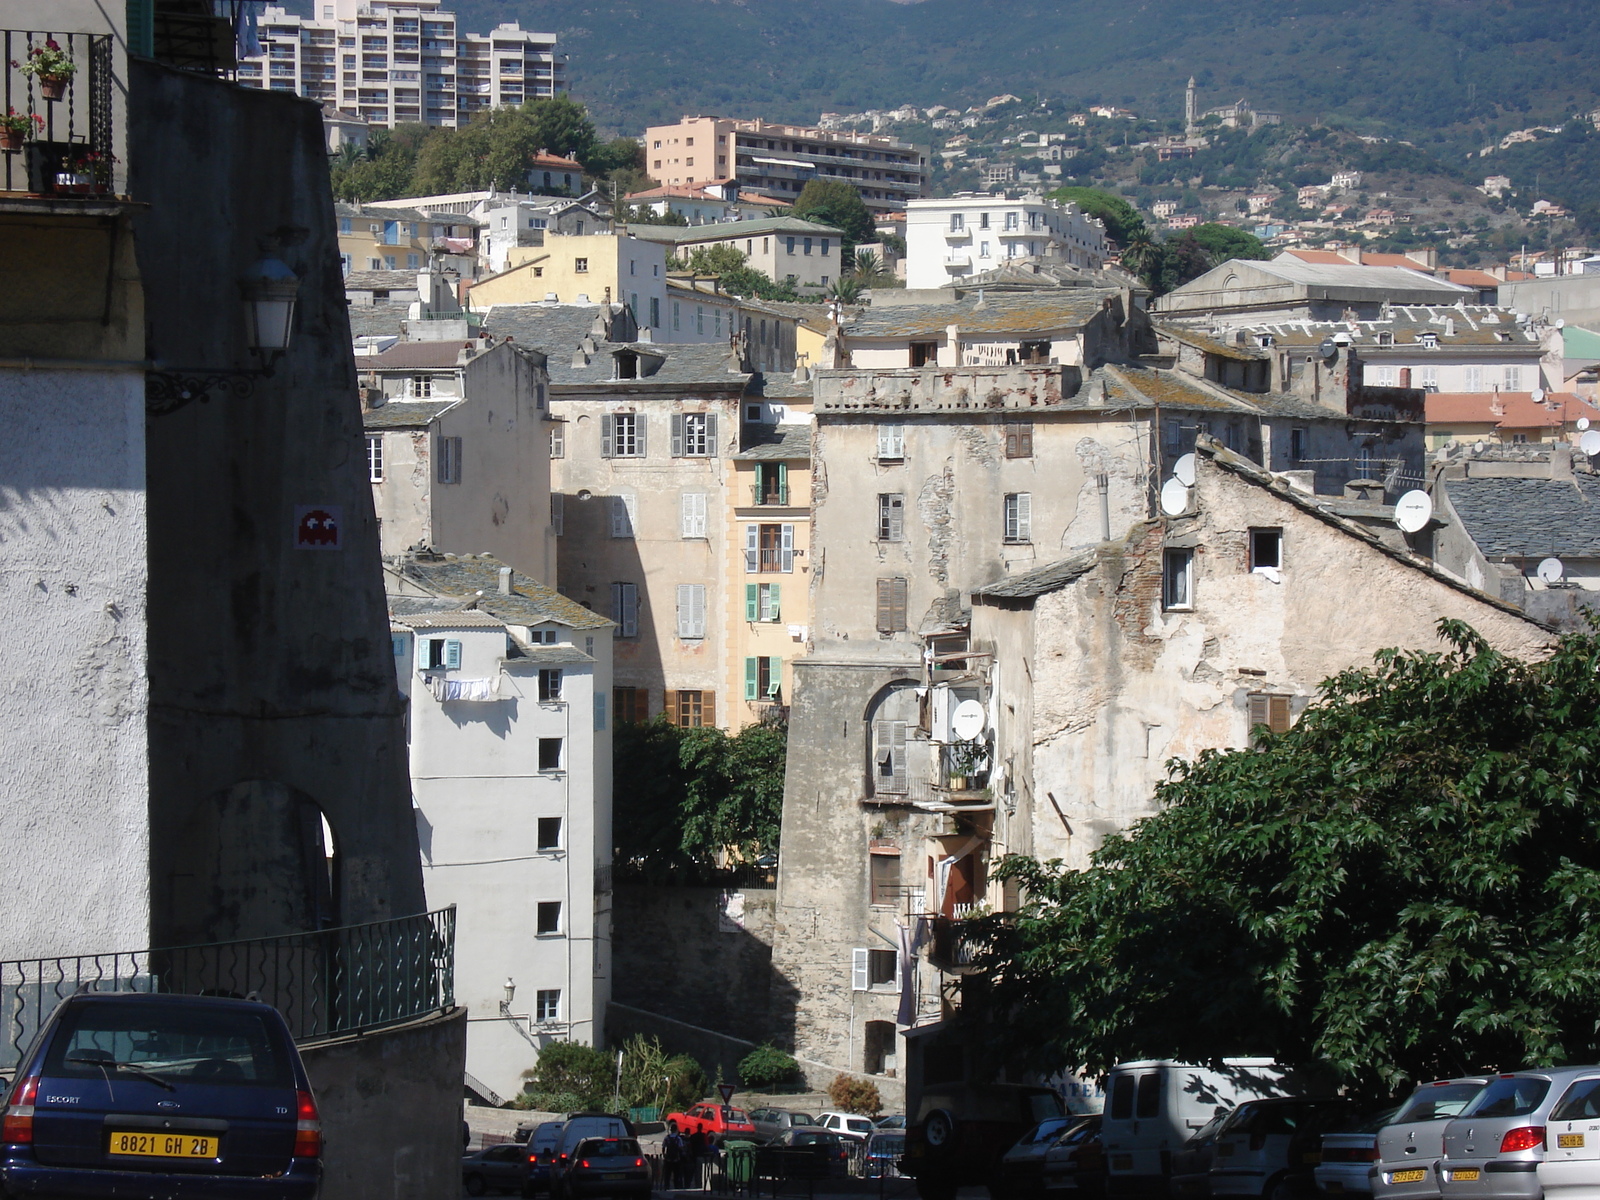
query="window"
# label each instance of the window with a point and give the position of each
(549, 833)
(891, 441)
(624, 512)
(825, 244)
(449, 460)
(790, 244)
(983, 220)
(1519, 438)
(442, 654)
(889, 766)
(1266, 548)
(413, 262)
(881, 968)
(676, 315)
(1513, 379)
(1019, 517)
(375, 459)
(580, 265)
(622, 435)
(924, 354)
(699, 321)
(983, 249)
(691, 611)
(768, 548)
(1297, 445)
(957, 222)
(885, 878)
(625, 608)
(694, 435)
(761, 602)
(1177, 567)
(655, 312)
(547, 917)
(1474, 379)
(420, 387)
(1122, 1098)
(547, 1004)
(1011, 220)
(1148, 1103)
(549, 754)
(807, 245)
(558, 440)
(692, 515)
(1428, 378)
(549, 683)
(891, 517)
(1018, 439)
(891, 604)
(558, 514)
(772, 483)
(692, 710)
(630, 704)
(1269, 709)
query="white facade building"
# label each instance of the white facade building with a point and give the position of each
(970, 233)
(510, 749)
(398, 63)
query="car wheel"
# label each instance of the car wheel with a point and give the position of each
(935, 1189)
(475, 1186)
(938, 1129)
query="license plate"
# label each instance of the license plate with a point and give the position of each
(1569, 1141)
(1465, 1175)
(1413, 1176)
(1122, 1162)
(163, 1145)
(615, 1175)
(1333, 1185)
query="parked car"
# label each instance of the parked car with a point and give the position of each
(613, 1167)
(1345, 1165)
(1493, 1149)
(1271, 1147)
(770, 1123)
(544, 1143)
(962, 1131)
(892, 1121)
(1076, 1164)
(502, 1168)
(847, 1125)
(833, 1150)
(136, 1094)
(1191, 1162)
(1154, 1106)
(885, 1148)
(1410, 1146)
(1571, 1166)
(717, 1121)
(1022, 1166)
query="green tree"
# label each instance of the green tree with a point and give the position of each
(733, 273)
(846, 290)
(1121, 219)
(1222, 242)
(570, 1077)
(829, 202)
(1397, 888)
(766, 1067)
(651, 1078)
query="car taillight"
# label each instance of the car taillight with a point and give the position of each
(19, 1111)
(638, 1162)
(563, 1156)
(1527, 1137)
(584, 1163)
(307, 1127)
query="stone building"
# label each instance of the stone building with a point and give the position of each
(1240, 292)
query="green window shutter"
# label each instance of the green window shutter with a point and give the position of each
(783, 483)
(772, 603)
(774, 675)
(751, 603)
(750, 679)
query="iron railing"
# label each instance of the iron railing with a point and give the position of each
(69, 148)
(325, 983)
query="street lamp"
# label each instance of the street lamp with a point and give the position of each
(510, 991)
(269, 290)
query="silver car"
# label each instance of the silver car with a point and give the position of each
(1410, 1146)
(1571, 1167)
(1492, 1151)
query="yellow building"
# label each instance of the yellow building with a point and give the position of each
(378, 238)
(595, 268)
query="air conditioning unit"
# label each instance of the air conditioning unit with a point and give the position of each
(375, 228)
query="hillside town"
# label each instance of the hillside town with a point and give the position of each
(996, 646)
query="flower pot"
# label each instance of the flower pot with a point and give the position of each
(52, 89)
(11, 140)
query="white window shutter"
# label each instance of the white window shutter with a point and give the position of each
(608, 441)
(697, 610)
(899, 976)
(677, 435)
(452, 654)
(692, 514)
(787, 549)
(901, 775)
(1025, 516)
(685, 608)
(752, 548)
(642, 424)
(711, 435)
(859, 977)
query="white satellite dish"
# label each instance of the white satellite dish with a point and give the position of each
(967, 721)
(1551, 570)
(1183, 470)
(1175, 498)
(1538, 395)
(1413, 510)
(1561, 322)
(1589, 443)
(1479, 447)
(1583, 423)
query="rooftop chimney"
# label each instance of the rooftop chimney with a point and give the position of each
(505, 581)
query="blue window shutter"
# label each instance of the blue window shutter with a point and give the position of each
(750, 679)
(786, 562)
(452, 654)
(398, 641)
(751, 612)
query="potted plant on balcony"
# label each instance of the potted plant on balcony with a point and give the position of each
(51, 66)
(968, 760)
(15, 128)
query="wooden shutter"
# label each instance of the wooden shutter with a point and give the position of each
(885, 606)
(772, 603)
(859, 977)
(897, 731)
(897, 603)
(397, 642)
(752, 602)
(783, 483)
(608, 436)
(621, 526)
(708, 709)
(711, 435)
(1025, 441)
(1024, 516)
(1011, 441)
(774, 675)
(1278, 713)
(558, 513)
(452, 653)
(1258, 709)
(786, 551)
(750, 668)
(697, 609)
(669, 706)
(630, 609)
(677, 435)
(752, 549)
(897, 517)
(641, 424)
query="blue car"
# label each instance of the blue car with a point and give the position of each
(152, 1097)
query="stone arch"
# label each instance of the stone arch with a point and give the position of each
(897, 756)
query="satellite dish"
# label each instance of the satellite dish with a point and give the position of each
(1183, 470)
(1551, 570)
(967, 721)
(1413, 510)
(1175, 496)
(1478, 447)
(1329, 350)
(1583, 423)
(1538, 395)
(1561, 322)
(1589, 443)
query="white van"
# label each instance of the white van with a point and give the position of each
(580, 1127)
(1154, 1107)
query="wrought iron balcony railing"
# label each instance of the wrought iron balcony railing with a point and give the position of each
(67, 150)
(325, 983)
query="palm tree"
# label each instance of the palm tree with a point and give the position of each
(846, 290)
(867, 267)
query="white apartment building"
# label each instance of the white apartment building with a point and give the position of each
(779, 160)
(973, 232)
(401, 63)
(507, 684)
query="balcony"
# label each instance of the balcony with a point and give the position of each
(71, 148)
(762, 495)
(957, 235)
(956, 948)
(957, 262)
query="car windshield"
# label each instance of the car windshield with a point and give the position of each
(1282, 1118)
(1581, 1103)
(1437, 1102)
(1212, 1127)
(609, 1148)
(1045, 1131)
(859, 1124)
(1514, 1097)
(800, 1119)
(1044, 1105)
(1075, 1135)
(735, 1116)
(813, 1137)
(173, 1044)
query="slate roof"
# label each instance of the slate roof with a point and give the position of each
(1031, 274)
(405, 414)
(454, 618)
(465, 576)
(379, 317)
(393, 281)
(1041, 580)
(722, 231)
(410, 355)
(559, 329)
(1473, 325)
(1211, 345)
(1132, 385)
(1530, 518)
(786, 442)
(549, 656)
(554, 328)
(1344, 274)
(1012, 312)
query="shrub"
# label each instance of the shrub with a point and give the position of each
(568, 1071)
(767, 1067)
(651, 1078)
(852, 1095)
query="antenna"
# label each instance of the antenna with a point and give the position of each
(1413, 511)
(1551, 571)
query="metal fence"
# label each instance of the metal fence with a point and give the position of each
(329, 982)
(69, 146)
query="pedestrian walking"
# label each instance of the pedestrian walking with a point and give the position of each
(697, 1155)
(674, 1151)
